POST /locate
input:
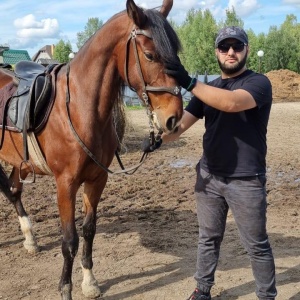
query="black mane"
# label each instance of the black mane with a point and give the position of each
(164, 37)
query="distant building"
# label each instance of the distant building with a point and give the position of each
(11, 57)
(2, 49)
(45, 56)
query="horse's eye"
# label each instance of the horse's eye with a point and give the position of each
(149, 56)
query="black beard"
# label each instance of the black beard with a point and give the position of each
(237, 68)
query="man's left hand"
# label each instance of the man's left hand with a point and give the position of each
(177, 70)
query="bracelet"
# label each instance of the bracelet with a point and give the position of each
(192, 84)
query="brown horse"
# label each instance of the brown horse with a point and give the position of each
(130, 48)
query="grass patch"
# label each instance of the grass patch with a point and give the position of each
(134, 107)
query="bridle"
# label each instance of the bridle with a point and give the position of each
(146, 88)
(175, 90)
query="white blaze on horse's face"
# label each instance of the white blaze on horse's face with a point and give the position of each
(155, 121)
(158, 126)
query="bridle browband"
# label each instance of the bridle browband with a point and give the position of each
(146, 88)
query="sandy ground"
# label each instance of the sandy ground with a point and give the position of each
(145, 246)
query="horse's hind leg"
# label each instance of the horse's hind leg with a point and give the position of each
(91, 197)
(12, 189)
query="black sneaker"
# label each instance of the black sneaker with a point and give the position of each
(199, 295)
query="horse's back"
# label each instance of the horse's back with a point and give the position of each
(6, 76)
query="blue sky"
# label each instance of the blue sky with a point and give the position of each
(31, 24)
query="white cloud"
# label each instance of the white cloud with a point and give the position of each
(292, 2)
(297, 2)
(29, 27)
(244, 8)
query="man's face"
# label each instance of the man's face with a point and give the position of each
(232, 56)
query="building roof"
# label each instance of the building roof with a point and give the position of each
(47, 49)
(14, 56)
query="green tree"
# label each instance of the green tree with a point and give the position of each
(232, 19)
(62, 50)
(197, 35)
(90, 28)
(198, 32)
(291, 38)
(256, 43)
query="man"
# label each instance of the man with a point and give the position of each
(231, 171)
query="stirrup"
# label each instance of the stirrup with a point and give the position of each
(33, 172)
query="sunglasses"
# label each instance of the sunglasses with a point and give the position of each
(236, 47)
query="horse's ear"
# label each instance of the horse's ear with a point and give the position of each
(166, 7)
(136, 14)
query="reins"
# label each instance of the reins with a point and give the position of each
(85, 148)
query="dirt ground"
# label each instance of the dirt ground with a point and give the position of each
(145, 246)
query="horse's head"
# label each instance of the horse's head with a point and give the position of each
(151, 42)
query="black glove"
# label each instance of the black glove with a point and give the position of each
(147, 147)
(177, 70)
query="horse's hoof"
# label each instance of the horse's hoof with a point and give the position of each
(91, 291)
(32, 248)
(66, 292)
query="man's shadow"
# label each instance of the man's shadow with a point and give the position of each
(175, 233)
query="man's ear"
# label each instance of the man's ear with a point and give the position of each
(247, 50)
(216, 52)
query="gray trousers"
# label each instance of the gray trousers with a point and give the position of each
(246, 197)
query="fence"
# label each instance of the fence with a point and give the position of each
(131, 98)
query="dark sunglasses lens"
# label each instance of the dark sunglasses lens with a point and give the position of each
(238, 47)
(224, 48)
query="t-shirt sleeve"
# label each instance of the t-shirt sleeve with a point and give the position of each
(195, 107)
(259, 86)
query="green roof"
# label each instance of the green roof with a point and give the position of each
(14, 56)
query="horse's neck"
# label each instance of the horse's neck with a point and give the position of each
(94, 69)
(100, 52)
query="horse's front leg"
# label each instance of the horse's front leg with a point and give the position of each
(91, 197)
(66, 196)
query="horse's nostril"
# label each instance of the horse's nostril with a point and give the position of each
(171, 123)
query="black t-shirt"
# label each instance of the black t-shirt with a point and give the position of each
(234, 144)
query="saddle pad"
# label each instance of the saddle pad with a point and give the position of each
(5, 95)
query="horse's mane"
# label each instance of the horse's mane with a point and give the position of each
(164, 37)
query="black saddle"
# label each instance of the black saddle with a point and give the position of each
(28, 69)
(32, 102)
(33, 92)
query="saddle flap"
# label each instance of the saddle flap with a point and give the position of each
(42, 95)
(28, 69)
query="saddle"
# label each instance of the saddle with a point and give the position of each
(28, 108)
(33, 93)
